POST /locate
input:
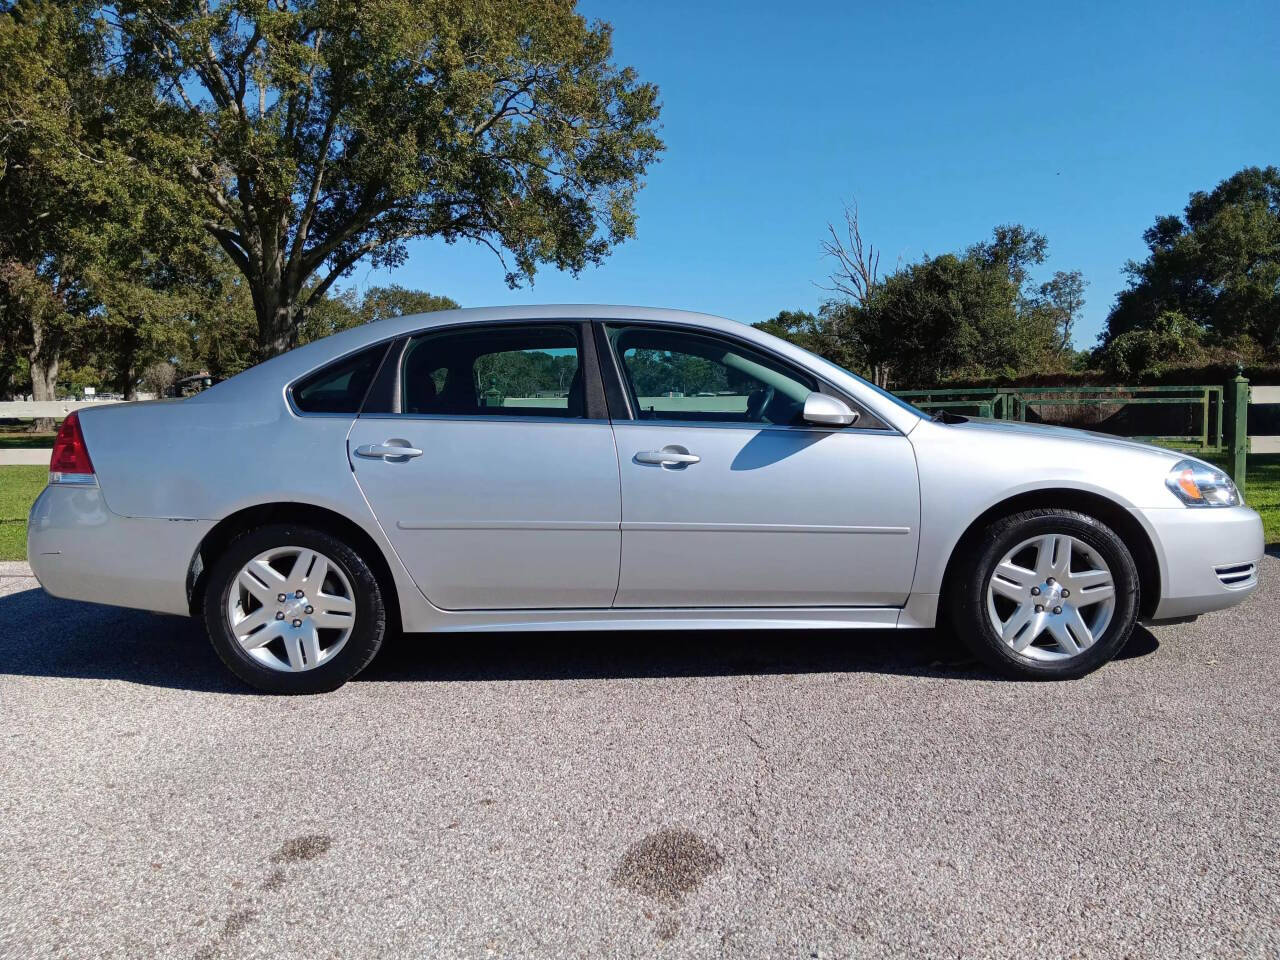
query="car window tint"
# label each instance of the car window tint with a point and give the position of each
(511, 370)
(341, 386)
(677, 375)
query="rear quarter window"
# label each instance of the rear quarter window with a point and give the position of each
(341, 386)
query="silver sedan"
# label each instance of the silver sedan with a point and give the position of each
(588, 467)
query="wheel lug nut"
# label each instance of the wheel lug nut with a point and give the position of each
(1035, 591)
(1057, 609)
(282, 598)
(1049, 581)
(1039, 608)
(310, 609)
(279, 614)
(297, 622)
(298, 594)
(1066, 593)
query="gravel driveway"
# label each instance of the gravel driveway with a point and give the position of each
(626, 795)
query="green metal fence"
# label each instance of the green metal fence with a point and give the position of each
(1216, 416)
(1205, 432)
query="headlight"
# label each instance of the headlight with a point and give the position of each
(1199, 485)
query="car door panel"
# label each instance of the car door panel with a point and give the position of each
(498, 514)
(506, 495)
(772, 516)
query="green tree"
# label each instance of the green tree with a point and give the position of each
(846, 331)
(972, 314)
(801, 327)
(1172, 340)
(221, 334)
(101, 258)
(330, 314)
(951, 315)
(154, 267)
(1062, 296)
(148, 299)
(56, 175)
(318, 133)
(385, 303)
(1217, 267)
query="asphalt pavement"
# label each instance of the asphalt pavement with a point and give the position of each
(790, 795)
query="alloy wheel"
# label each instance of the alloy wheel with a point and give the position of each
(1051, 597)
(291, 608)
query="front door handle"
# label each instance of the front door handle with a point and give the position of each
(398, 450)
(669, 456)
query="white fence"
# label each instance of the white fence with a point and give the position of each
(54, 409)
(1270, 444)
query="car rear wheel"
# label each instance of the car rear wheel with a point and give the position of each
(1046, 594)
(292, 609)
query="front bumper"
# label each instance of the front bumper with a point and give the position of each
(80, 550)
(1208, 557)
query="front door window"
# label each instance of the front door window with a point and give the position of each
(685, 376)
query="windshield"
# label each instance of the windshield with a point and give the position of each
(896, 401)
(888, 396)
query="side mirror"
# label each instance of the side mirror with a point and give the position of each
(828, 410)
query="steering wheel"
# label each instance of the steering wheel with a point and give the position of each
(757, 407)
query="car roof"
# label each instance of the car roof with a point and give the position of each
(293, 364)
(555, 311)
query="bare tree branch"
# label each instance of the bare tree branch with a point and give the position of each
(857, 272)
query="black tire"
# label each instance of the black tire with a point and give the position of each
(366, 634)
(967, 596)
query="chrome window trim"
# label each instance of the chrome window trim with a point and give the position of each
(757, 427)
(481, 418)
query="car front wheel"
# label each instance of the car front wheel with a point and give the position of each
(292, 609)
(1046, 594)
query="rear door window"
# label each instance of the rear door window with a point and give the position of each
(516, 370)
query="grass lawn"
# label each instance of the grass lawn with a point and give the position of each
(20, 485)
(18, 489)
(1262, 491)
(26, 441)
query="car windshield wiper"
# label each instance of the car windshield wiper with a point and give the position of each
(946, 416)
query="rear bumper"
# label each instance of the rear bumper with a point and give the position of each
(1209, 558)
(80, 550)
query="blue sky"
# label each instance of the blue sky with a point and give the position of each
(1083, 121)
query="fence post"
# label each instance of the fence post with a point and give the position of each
(1239, 452)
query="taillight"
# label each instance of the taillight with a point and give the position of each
(70, 462)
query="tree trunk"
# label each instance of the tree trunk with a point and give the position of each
(278, 317)
(45, 358)
(127, 364)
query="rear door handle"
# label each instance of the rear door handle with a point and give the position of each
(670, 455)
(391, 450)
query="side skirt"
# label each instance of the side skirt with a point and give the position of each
(762, 618)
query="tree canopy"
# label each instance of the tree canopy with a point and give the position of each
(331, 314)
(977, 313)
(316, 133)
(58, 173)
(1212, 274)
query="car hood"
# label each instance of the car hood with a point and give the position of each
(982, 425)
